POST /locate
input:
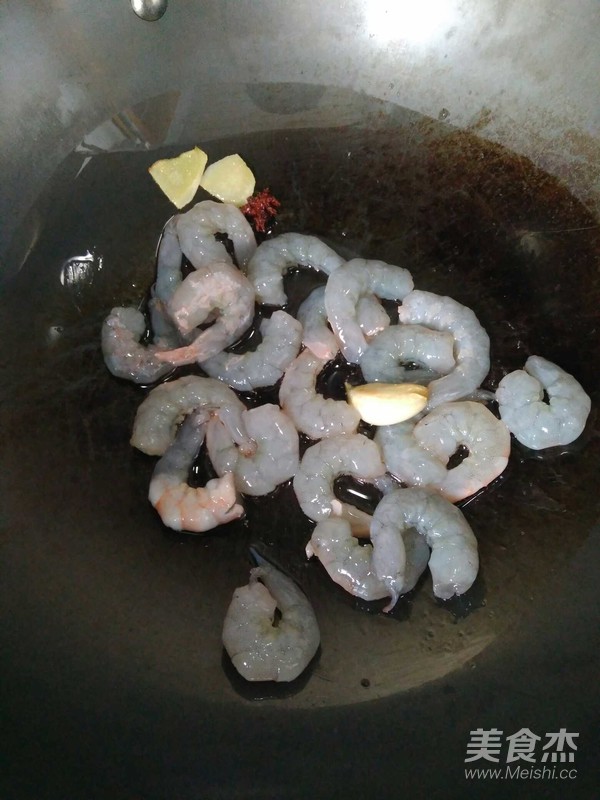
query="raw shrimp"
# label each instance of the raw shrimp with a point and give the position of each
(318, 336)
(277, 450)
(371, 316)
(344, 288)
(275, 256)
(220, 288)
(347, 561)
(180, 506)
(471, 348)
(313, 414)
(350, 564)
(123, 354)
(192, 233)
(432, 351)
(260, 649)
(162, 325)
(535, 423)
(166, 406)
(454, 561)
(255, 369)
(321, 464)
(196, 231)
(418, 453)
(359, 520)
(168, 262)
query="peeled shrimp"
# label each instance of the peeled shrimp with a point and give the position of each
(359, 520)
(275, 256)
(168, 262)
(346, 286)
(255, 369)
(371, 316)
(318, 336)
(432, 351)
(163, 328)
(454, 561)
(350, 564)
(193, 233)
(277, 450)
(167, 405)
(220, 288)
(535, 423)
(180, 506)
(418, 453)
(313, 414)
(196, 231)
(123, 354)
(321, 464)
(347, 561)
(472, 344)
(260, 649)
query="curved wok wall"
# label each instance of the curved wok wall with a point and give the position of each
(522, 74)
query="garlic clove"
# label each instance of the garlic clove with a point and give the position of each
(387, 403)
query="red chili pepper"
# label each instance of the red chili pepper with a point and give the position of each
(261, 207)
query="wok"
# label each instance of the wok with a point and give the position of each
(462, 137)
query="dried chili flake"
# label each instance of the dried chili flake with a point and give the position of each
(261, 207)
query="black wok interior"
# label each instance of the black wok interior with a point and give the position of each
(115, 683)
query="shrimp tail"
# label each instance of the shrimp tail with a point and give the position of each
(256, 557)
(269, 562)
(395, 595)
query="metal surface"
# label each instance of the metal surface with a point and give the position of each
(521, 74)
(113, 682)
(149, 10)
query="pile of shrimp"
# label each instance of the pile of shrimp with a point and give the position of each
(437, 342)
